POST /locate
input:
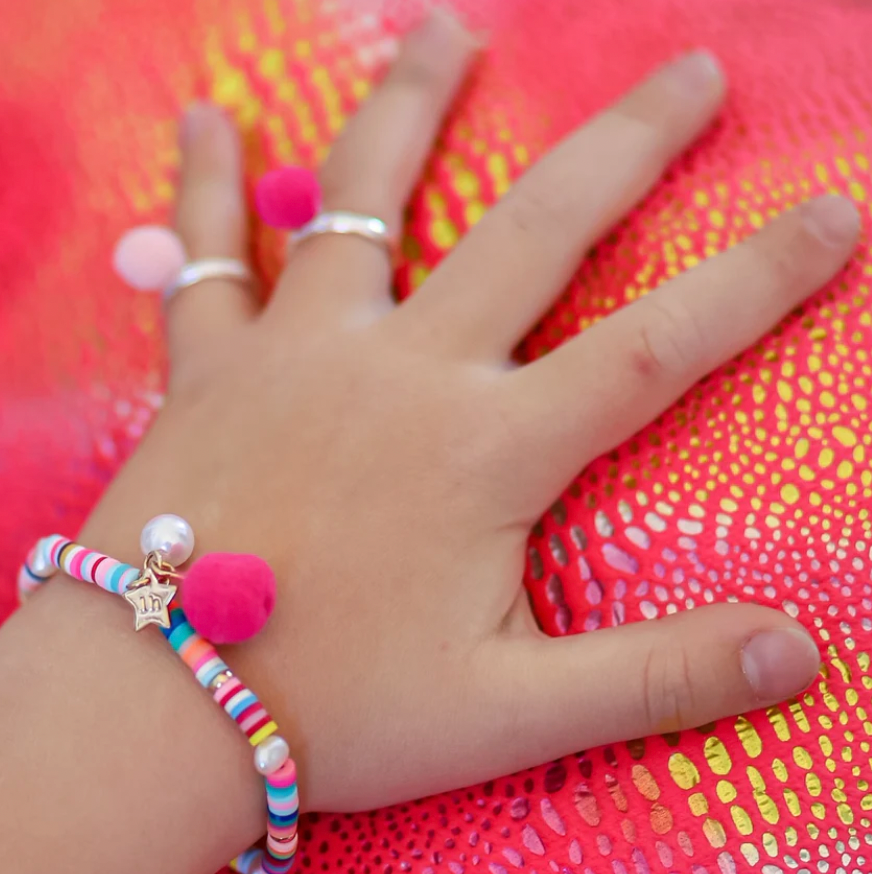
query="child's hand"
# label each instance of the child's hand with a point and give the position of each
(388, 461)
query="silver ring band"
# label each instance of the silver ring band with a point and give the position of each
(367, 226)
(209, 268)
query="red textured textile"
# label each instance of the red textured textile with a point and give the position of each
(756, 486)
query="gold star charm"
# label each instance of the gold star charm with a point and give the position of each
(150, 599)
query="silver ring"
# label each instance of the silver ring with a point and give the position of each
(209, 268)
(367, 226)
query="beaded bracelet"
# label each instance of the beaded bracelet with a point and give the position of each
(167, 542)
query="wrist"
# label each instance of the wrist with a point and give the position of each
(145, 757)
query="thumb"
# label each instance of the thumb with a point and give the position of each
(652, 677)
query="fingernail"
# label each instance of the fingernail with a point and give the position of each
(442, 32)
(832, 219)
(198, 115)
(780, 663)
(699, 72)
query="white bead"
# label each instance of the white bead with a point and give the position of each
(271, 754)
(41, 566)
(169, 535)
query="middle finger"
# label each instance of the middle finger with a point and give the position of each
(491, 290)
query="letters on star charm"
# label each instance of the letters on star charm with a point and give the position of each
(150, 599)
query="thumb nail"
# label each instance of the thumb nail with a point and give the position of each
(780, 663)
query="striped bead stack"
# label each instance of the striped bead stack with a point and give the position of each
(271, 754)
(55, 553)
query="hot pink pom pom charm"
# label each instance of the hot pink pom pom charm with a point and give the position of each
(288, 198)
(228, 597)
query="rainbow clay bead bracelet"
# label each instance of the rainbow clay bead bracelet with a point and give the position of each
(226, 598)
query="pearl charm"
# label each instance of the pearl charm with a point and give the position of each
(271, 754)
(170, 536)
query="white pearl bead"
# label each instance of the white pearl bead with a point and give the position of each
(41, 566)
(271, 754)
(169, 535)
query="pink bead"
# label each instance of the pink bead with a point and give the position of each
(228, 597)
(149, 257)
(288, 197)
(285, 776)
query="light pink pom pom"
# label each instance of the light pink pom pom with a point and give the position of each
(149, 257)
(288, 198)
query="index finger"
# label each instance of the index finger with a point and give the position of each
(600, 388)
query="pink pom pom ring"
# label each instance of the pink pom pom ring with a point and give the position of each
(228, 597)
(149, 257)
(153, 258)
(288, 198)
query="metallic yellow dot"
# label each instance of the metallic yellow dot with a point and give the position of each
(717, 757)
(474, 212)
(749, 738)
(698, 804)
(683, 771)
(779, 769)
(741, 820)
(845, 436)
(714, 833)
(802, 758)
(444, 233)
(770, 844)
(751, 853)
(272, 64)
(806, 473)
(790, 493)
(726, 791)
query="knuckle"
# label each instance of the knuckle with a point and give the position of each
(333, 179)
(668, 695)
(533, 211)
(786, 260)
(669, 340)
(649, 136)
(416, 73)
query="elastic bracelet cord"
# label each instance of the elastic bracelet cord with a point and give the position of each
(150, 591)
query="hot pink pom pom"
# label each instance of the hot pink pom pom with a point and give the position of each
(228, 597)
(149, 257)
(288, 197)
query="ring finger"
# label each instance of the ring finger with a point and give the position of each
(508, 270)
